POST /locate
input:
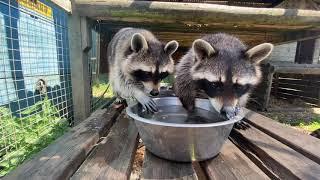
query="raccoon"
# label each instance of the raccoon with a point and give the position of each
(222, 67)
(138, 61)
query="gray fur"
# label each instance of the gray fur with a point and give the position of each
(225, 61)
(125, 55)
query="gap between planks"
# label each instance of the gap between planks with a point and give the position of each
(305, 144)
(113, 157)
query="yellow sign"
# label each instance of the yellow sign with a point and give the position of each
(37, 6)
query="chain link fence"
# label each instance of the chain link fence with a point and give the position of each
(35, 79)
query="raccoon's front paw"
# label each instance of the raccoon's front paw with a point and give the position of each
(119, 100)
(148, 104)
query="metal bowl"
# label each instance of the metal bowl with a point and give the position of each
(183, 142)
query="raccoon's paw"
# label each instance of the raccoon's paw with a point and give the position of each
(119, 100)
(148, 104)
(241, 125)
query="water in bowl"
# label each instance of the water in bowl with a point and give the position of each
(177, 114)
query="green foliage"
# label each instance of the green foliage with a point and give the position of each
(311, 126)
(25, 136)
(101, 91)
(169, 79)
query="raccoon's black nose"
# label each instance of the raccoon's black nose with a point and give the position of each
(154, 92)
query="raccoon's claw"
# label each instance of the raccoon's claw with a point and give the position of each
(149, 105)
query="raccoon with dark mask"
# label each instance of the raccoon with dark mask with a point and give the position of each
(138, 62)
(223, 68)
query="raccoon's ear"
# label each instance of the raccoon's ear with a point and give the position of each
(202, 49)
(138, 42)
(259, 52)
(171, 47)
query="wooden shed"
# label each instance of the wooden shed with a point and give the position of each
(253, 21)
(103, 145)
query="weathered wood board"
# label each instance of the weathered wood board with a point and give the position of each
(303, 143)
(112, 158)
(231, 163)
(282, 160)
(157, 168)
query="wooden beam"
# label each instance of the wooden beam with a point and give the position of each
(64, 4)
(299, 4)
(198, 14)
(80, 44)
(291, 68)
(185, 35)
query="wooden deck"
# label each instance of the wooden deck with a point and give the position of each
(104, 145)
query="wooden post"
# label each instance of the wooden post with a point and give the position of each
(319, 97)
(80, 44)
(97, 56)
(269, 85)
(64, 4)
(276, 84)
(316, 53)
(305, 51)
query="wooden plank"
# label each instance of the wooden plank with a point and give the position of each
(308, 94)
(62, 158)
(303, 86)
(268, 91)
(261, 34)
(157, 168)
(231, 163)
(299, 82)
(285, 162)
(113, 157)
(199, 13)
(293, 109)
(296, 68)
(303, 143)
(299, 4)
(64, 4)
(305, 77)
(294, 96)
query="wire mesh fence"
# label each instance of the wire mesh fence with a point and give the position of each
(35, 78)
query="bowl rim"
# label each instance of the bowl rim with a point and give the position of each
(141, 119)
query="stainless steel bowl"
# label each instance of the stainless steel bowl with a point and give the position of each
(182, 142)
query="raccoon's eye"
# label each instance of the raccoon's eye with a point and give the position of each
(241, 89)
(212, 89)
(140, 75)
(163, 75)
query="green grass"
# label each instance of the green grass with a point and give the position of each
(311, 126)
(101, 91)
(23, 137)
(169, 80)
